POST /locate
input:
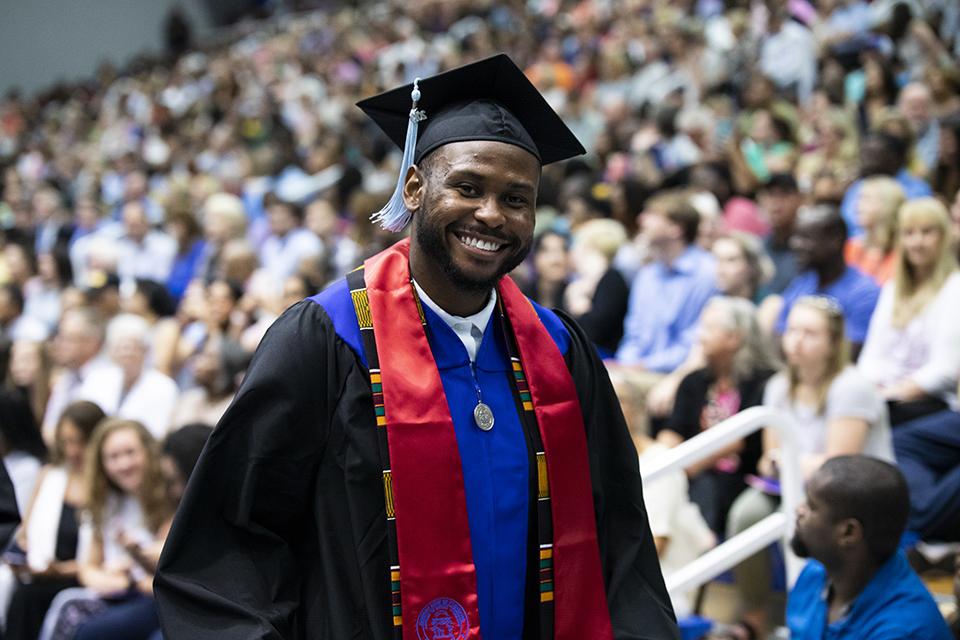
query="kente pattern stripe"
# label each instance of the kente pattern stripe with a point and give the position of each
(361, 305)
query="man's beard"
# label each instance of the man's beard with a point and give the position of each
(798, 546)
(430, 237)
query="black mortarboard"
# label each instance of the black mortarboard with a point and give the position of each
(487, 100)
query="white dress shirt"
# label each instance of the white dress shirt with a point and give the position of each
(151, 400)
(469, 329)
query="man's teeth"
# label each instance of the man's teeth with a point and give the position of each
(470, 241)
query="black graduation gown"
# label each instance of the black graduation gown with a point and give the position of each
(281, 532)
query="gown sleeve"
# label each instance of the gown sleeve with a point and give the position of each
(231, 566)
(640, 608)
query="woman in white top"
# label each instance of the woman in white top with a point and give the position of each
(912, 350)
(49, 536)
(125, 523)
(834, 411)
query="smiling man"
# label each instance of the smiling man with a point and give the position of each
(419, 451)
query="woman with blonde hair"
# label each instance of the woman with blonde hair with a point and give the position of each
(874, 252)
(598, 295)
(912, 349)
(123, 528)
(831, 409)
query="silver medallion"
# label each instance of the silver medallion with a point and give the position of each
(483, 416)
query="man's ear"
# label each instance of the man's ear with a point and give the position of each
(413, 187)
(849, 532)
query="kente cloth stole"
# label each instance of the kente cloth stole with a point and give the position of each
(433, 578)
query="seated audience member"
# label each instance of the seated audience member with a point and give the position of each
(224, 220)
(597, 297)
(49, 535)
(143, 252)
(21, 445)
(340, 252)
(679, 531)
(179, 454)
(881, 154)
(127, 516)
(30, 373)
(928, 453)
(42, 293)
(779, 198)
(818, 245)
(834, 411)
(14, 323)
(857, 584)
(912, 350)
(217, 371)
(211, 310)
(739, 213)
(288, 243)
(667, 295)
(551, 269)
(130, 389)
(76, 348)
(296, 288)
(666, 299)
(151, 301)
(915, 102)
(873, 252)
(738, 364)
(742, 265)
(185, 230)
(834, 146)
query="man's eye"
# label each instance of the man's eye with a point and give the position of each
(516, 201)
(467, 189)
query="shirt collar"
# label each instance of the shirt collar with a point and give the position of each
(462, 325)
(686, 262)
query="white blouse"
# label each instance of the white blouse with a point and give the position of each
(926, 351)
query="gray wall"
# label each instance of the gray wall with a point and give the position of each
(44, 41)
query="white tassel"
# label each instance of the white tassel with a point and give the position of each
(395, 216)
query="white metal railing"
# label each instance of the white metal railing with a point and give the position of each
(777, 526)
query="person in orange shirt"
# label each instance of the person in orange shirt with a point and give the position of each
(873, 253)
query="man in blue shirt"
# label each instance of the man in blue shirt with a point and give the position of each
(857, 583)
(780, 199)
(817, 243)
(668, 294)
(881, 154)
(666, 298)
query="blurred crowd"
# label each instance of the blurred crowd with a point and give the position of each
(768, 214)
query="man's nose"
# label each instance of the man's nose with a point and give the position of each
(490, 212)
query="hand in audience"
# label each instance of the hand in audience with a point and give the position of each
(904, 391)
(661, 396)
(769, 464)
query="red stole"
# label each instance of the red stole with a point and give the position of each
(437, 574)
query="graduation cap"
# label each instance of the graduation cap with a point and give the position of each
(487, 100)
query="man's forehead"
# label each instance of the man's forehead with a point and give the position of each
(815, 221)
(485, 156)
